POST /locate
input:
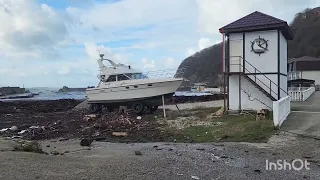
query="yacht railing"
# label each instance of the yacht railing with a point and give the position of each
(167, 73)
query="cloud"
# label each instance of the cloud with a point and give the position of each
(148, 64)
(214, 14)
(30, 30)
(202, 44)
(93, 50)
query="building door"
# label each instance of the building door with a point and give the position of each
(236, 54)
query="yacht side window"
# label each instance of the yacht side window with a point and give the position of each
(111, 78)
(122, 77)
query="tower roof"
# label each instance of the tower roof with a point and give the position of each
(258, 21)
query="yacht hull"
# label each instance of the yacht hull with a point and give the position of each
(130, 92)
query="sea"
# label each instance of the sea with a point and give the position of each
(47, 93)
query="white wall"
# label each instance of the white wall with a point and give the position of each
(283, 65)
(314, 75)
(283, 54)
(284, 86)
(264, 82)
(268, 61)
(251, 97)
(236, 51)
(234, 92)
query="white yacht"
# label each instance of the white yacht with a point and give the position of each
(121, 85)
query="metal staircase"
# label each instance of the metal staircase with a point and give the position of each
(251, 73)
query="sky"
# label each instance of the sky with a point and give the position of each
(52, 43)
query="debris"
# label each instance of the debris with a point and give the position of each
(155, 146)
(138, 153)
(4, 129)
(195, 177)
(85, 142)
(120, 134)
(220, 112)
(48, 145)
(22, 131)
(200, 149)
(90, 117)
(63, 139)
(159, 149)
(224, 157)
(170, 149)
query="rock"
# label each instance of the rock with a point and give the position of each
(48, 145)
(14, 128)
(85, 142)
(120, 134)
(200, 149)
(257, 170)
(138, 153)
(159, 148)
(138, 117)
(195, 177)
(155, 146)
(170, 149)
(66, 152)
(54, 153)
(307, 156)
(63, 139)
(100, 138)
(223, 156)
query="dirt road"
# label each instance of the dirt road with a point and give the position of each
(160, 161)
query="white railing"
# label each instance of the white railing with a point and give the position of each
(168, 73)
(281, 110)
(293, 75)
(301, 93)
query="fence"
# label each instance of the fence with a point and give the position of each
(301, 93)
(281, 110)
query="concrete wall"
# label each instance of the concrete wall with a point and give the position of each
(251, 98)
(314, 75)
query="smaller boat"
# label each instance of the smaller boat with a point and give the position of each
(121, 85)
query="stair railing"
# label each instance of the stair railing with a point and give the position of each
(242, 65)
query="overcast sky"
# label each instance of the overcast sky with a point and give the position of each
(54, 42)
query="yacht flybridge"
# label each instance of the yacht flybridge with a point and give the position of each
(121, 85)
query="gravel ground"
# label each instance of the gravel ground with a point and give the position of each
(115, 161)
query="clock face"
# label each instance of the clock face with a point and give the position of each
(259, 45)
